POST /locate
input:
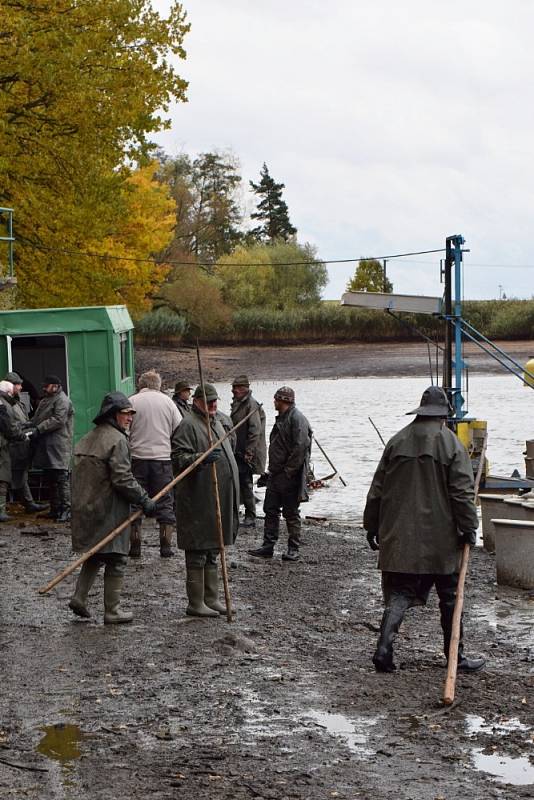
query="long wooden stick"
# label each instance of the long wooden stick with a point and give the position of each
(119, 529)
(376, 429)
(450, 680)
(332, 465)
(217, 497)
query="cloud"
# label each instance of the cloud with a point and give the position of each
(392, 125)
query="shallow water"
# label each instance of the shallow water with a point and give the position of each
(338, 412)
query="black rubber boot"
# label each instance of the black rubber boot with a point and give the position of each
(63, 491)
(4, 488)
(465, 664)
(265, 551)
(135, 539)
(86, 578)
(291, 555)
(389, 627)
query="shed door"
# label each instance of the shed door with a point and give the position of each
(33, 357)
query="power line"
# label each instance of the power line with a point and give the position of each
(87, 254)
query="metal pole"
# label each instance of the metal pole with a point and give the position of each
(384, 262)
(447, 367)
(458, 356)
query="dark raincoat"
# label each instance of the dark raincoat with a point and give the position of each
(421, 499)
(103, 488)
(290, 448)
(196, 523)
(19, 449)
(10, 436)
(251, 444)
(54, 421)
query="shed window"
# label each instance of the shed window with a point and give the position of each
(125, 356)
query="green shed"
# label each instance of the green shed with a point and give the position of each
(90, 349)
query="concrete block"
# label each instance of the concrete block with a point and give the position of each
(514, 552)
(492, 505)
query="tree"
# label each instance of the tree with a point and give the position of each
(82, 88)
(272, 211)
(193, 294)
(283, 275)
(208, 215)
(369, 277)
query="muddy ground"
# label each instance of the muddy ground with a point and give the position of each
(172, 707)
(314, 361)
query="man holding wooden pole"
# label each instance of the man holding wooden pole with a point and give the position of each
(196, 506)
(419, 514)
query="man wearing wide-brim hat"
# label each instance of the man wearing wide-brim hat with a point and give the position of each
(251, 448)
(196, 520)
(419, 513)
(181, 396)
(103, 489)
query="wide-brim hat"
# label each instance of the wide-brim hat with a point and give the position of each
(241, 380)
(211, 392)
(112, 403)
(181, 386)
(434, 403)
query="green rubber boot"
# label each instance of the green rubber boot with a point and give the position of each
(112, 596)
(195, 594)
(86, 578)
(211, 589)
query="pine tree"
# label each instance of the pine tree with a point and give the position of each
(271, 211)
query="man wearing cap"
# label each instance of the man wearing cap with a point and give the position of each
(419, 513)
(51, 431)
(19, 450)
(10, 431)
(103, 488)
(289, 458)
(182, 393)
(196, 520)
(250, 450)
(150, 442)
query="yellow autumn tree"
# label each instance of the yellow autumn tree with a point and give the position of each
(82, 88)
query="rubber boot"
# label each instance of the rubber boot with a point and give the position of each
(4, 516)
(112, 596)
(86, 578)
(30, 506)
(63, 489)
(265, 551)
(465, 664)
(211, 589)
(389, 627)
(292, 554)
(165, 540)
(195, 594)
(135, 539)
(53, 500)
(293, 530)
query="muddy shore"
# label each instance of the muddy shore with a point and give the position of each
(314, 361)
(283, 703)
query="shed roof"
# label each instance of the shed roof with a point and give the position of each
(65, 320)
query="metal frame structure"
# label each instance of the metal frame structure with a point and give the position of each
(9, 239)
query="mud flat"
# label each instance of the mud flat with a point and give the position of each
(283, 703)
(314, 361)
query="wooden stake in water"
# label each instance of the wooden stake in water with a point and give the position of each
(332, 465)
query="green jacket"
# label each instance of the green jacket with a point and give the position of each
(103, 488)
(196, 523)
(251, 445)
(10, 436)
(421, 499)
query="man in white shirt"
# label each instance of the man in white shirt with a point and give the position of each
(154, 423)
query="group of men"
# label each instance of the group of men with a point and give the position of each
(139, 444)
(42, 441)
(420, 508)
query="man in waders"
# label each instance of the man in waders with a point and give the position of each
(419, 513)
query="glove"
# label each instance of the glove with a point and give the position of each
(372, 538)
(468, 537)
(214, 456)
(149, 507)
(262, 480)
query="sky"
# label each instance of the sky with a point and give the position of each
(392, 126)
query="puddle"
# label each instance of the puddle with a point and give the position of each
(505, 769)
(503, 726)
(512, 619)
(354, 732)
(60, 742)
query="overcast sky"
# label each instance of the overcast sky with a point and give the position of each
(391, 124)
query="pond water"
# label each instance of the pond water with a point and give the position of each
(338, 411)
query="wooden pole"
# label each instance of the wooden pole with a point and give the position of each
(119, 529)
(450, 680)
(217, 497)
(332, 465)
(376, 429)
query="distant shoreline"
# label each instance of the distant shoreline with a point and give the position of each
(288, 362)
